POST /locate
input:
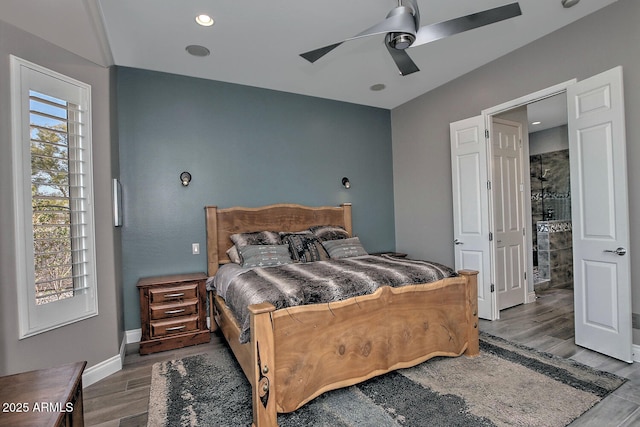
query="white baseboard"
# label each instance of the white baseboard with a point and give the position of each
(531, 297)
(635, 349)
(114, 364)
(133, 335)
(105, 368)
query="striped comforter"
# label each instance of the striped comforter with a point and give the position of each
(324, 281)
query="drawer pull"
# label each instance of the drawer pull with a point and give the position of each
(175, 328)
(178, 295)
(180, 310)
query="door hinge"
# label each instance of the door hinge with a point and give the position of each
(488, 185)
(486, 133)
(524, 233)
(490, 236)
(493, 287)
(525, 275)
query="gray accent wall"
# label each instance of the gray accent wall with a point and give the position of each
(243, 146)
(96, 339)
(421, 153)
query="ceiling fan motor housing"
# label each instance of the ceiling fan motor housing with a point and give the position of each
(401, 40)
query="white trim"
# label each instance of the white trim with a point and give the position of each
(528, 99)
(105, 368)
(133, 336)
(531, 297)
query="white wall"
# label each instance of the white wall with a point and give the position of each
(548, 140)
(420, 128)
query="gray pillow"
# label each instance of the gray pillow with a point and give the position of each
(233, 255)
(305, 247)
(256, 238)
(264, 255)
(329, 232)
(344, 248)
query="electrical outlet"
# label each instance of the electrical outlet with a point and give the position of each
(195, 248)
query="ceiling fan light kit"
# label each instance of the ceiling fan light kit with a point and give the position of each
(403, 31)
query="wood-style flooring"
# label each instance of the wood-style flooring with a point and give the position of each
(547, 324)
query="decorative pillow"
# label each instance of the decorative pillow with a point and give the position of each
(305, 247)
(329, 232)
(264, 255)
(344, 248)
(233, 255)
(256, 238)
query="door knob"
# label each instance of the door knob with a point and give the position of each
(458, 242)
(619, 251)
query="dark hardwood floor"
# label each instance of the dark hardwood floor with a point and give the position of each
(547, 324)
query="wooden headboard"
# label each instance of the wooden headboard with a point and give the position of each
(222, 223)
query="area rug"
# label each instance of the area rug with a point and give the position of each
(507, 385)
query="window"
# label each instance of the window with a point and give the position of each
(53, 198)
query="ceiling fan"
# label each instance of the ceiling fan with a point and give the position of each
(403, 30)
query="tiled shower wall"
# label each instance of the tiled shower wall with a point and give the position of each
(555, 253)
(554, 190)
(551, 215)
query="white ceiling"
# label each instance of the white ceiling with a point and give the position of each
(549, 112)
(258, 43)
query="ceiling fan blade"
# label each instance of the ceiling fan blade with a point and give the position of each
(402, 22)
(433, 32)
(313, 55)
(404, 63)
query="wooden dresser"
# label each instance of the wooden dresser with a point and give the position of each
(172, 312)
(44, 398)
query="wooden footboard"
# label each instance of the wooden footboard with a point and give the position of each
(298, 353)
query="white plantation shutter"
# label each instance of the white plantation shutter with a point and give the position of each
(53, 191)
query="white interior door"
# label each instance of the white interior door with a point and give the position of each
(597, 146)
(471, 207)
(508, 218)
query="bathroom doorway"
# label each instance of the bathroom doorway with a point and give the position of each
(550, 184)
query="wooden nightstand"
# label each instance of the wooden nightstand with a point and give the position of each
(172, 312)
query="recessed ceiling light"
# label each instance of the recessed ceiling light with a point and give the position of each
(535, 123)
(205, 20)
(197, 50)
(377, 87)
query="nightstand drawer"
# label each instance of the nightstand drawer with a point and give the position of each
(161, 328)
(174, 293)
(175, 309)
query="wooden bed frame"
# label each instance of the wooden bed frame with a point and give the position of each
(295, 354)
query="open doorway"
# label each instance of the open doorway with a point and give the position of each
(550, 182)
(548, 217)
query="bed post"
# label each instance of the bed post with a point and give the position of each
(473, 346)
(263, 392)
(211, 216)
(346, 214)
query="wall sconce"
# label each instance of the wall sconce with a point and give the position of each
(185, 178)
(346, 183)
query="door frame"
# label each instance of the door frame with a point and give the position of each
(488, 117)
